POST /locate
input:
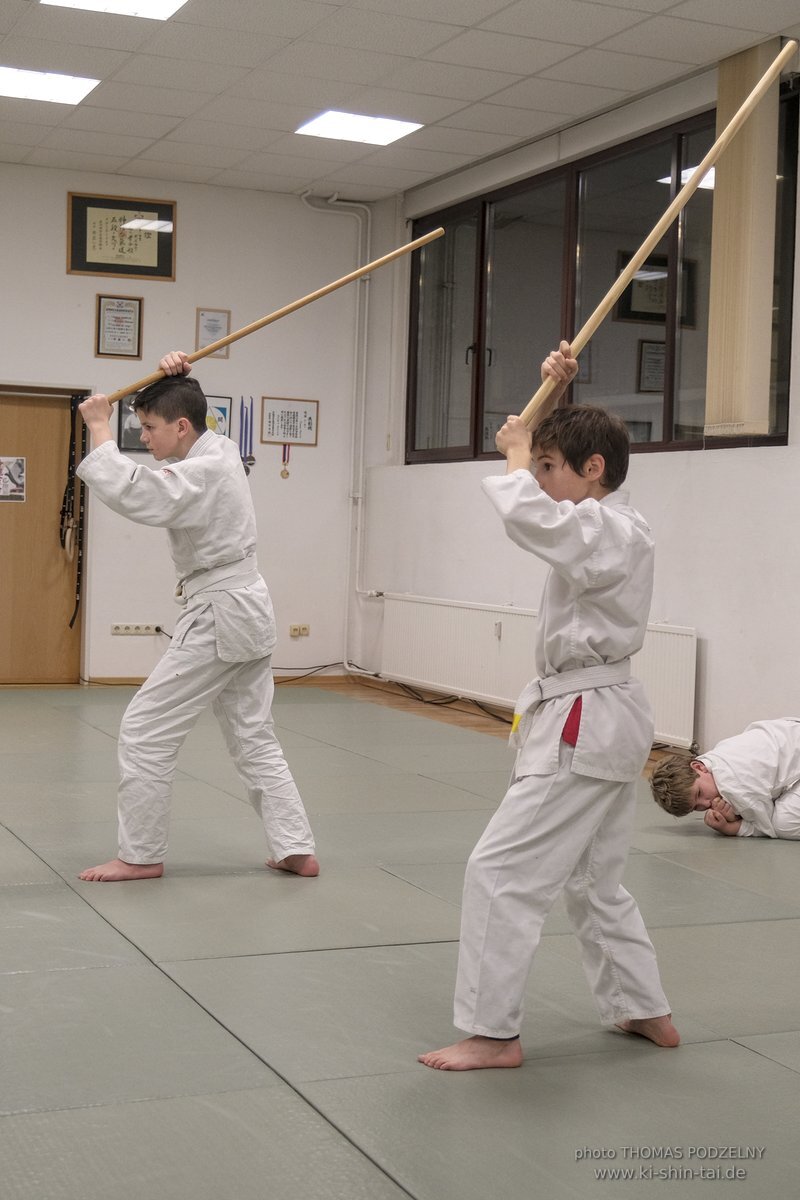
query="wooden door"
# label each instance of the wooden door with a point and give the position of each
(37, 582)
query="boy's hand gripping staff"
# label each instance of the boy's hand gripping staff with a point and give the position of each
(529, 413)
(283, 312)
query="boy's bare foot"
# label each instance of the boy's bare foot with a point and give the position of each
(118, 871)
(296, 864)
(473, 1054)
(656, 1029)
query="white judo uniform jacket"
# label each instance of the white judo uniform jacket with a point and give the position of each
(754, 769)
(593, 613)
(204, 503)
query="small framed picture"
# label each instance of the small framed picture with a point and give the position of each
(211, 324)
(650, 374)
(111, 235)
(130, 428)
(645, 298)
(118, 327)
(219, 413)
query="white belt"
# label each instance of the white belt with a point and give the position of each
(224, 578)
(563, 684)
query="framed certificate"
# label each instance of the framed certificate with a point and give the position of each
(111, 235)
(288, 422)
(118, 327)
(211, 324)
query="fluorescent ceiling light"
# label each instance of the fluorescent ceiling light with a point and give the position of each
(157, 10)
(706, 182)
(352, 127)
(44, 85)
(149, 226)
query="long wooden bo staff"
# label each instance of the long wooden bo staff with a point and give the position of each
(283, 312)
(684, 195)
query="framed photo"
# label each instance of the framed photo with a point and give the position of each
(118, 327)
(645, 297)
(129, 429)
(650, 373)
(219, 413)
(211, 324)
(640, 431)
(111, 235)
(288, 422)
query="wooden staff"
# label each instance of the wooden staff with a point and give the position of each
(283, 312)
(788, 52)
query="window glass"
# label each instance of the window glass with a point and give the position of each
(524, 272)
(691, 330)
(445, 338)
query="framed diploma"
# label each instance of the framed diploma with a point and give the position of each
(289, 422)
(118, 327)
(211, 324)
(650, 377)
(110, 235)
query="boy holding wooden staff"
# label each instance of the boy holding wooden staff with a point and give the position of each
(220, 650)
(583, 731)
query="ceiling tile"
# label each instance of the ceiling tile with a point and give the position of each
(262, 181)
(192, 154)
(449, 79)
(362, 30)
(196, 43)
(548, 95)
(84, 141)
(76, 28)
(325, 62)
(114, 120)
(322, 150)
(261, 113)
(203, 132)
(392, 177)
(453, 12)
(502, 52)
(35, 111)
(132, 97)
(146, 169)
(37, 54)
(629, 71)
(433, 162)
(71, 161)
(690, 41)
(10, 152)
(498, 118)
(403, 106)
(265, 83)
(765, 16)
(22, 133)
(149, 71)
(460, 141)
(574, 21)
(280, 18)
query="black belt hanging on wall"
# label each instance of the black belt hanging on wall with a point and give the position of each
(72, 520)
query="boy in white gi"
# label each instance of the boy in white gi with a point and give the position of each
(747, 786)
(583, 736)
(220, 650)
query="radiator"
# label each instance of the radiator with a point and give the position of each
(486, 652)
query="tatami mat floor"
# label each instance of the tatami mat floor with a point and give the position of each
(227, 1033)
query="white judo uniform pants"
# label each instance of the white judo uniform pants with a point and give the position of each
(188, 678)
(553, 833)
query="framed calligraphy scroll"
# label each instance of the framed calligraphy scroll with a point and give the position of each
(111, 235)
(287, 422)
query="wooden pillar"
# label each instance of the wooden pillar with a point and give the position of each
(743, 254)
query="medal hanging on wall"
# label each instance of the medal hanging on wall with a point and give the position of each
(285, 469)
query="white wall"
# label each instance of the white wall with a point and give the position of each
(248, 251)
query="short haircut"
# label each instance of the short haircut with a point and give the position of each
(581, 430)
(174, 397)
(671, 784)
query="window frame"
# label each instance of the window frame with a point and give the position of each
(481, 207)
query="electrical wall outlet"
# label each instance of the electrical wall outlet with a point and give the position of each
(294, 631)
(305, 630)
(133, 629)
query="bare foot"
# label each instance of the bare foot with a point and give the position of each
(656, 1029)
(117, 871)
(296, 864)
(473, 1054)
